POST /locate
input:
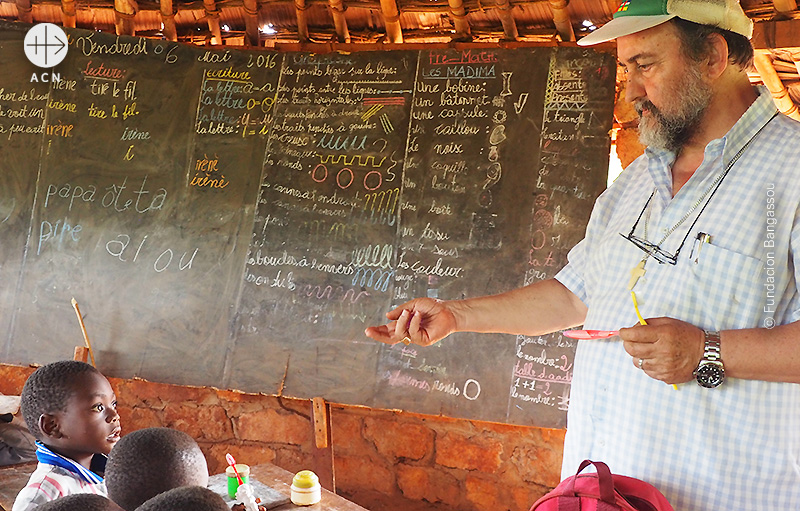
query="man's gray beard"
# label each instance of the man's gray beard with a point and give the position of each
(672, 132)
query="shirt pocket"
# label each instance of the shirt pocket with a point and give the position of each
(728, 287)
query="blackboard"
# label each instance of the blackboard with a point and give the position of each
(237, 218)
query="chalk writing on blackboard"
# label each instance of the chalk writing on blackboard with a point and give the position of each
(261, 208)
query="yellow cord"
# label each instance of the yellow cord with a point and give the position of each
(642, 321)
(636, 306)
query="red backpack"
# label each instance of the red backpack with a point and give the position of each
(602, 491)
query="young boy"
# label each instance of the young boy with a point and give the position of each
(71, 409)
(150, 461)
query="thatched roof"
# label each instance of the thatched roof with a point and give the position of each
(297, 23)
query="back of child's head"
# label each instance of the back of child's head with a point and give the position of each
(150, 461)
(187, 498)
(48, 389)
(80, 502)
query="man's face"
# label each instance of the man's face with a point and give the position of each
(667, 89)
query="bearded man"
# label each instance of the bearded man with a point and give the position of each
(697, 244)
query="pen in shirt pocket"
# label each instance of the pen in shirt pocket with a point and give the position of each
(699, 241)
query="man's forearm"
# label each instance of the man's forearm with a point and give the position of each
(536, 309)
(762, 353)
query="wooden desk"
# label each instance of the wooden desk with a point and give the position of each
(281, 480)
(14, 477)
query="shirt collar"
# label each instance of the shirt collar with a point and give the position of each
(754, 118)
(45, 455)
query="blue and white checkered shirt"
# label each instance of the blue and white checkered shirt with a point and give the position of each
(736, 447)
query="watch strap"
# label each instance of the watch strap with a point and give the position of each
(712, 351)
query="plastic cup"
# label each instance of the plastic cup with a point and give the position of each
(233, 483)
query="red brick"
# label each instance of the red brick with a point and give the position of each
(538, 465)
(423, 483)
(272, 426)
(132, 419)
(356, 472)
(199, 422)
(524, 497)
(485, 494)
(292, 458)
(469, 453)
(399, 440)
(347, 435)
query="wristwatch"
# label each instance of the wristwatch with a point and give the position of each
(710, 372)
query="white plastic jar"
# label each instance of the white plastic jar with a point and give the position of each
(306, 489)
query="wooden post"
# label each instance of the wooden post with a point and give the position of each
(779, 93)
(561, 19)
(212, 15)
(510, 32)
(785, 6)
(81, 354)
(302, 24)
(459, 15)
(124, 12)
(24, 11)
(69, 17)
(391, 17)
(251, 22)
(322, 450)
(168, 19)
(339, 21)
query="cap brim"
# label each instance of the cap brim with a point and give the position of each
(624, 25)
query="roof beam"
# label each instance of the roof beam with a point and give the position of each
(780, 95)
(170, 31)
(784, 6)
(561, 19)
(776, 34)
(212, 17)
(391, 18)
(459, 15)
(339, 21)
(69, 17)
(124, 12)
(510, 32)
(251, 22)
(302, 24)
(25, 11)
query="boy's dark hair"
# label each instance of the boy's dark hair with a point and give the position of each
(187, 498)
(150, 461)
(79, 502)
(696, 42)
(48, 389)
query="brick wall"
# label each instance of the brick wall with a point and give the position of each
(384, 460)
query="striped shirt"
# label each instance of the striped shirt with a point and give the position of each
(736, 447)
(58, 476)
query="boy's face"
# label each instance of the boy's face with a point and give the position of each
(89, 424)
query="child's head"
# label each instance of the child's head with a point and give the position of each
(70, 407)
(79, 502)
(150, 461)
(188, 498)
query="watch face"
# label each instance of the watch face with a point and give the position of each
(710, 375)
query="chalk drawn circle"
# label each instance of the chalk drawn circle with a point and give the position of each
(474, 383)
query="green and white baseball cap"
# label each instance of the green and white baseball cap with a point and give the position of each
(636, 15)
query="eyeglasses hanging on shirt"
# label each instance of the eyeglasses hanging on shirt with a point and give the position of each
(654, 250)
